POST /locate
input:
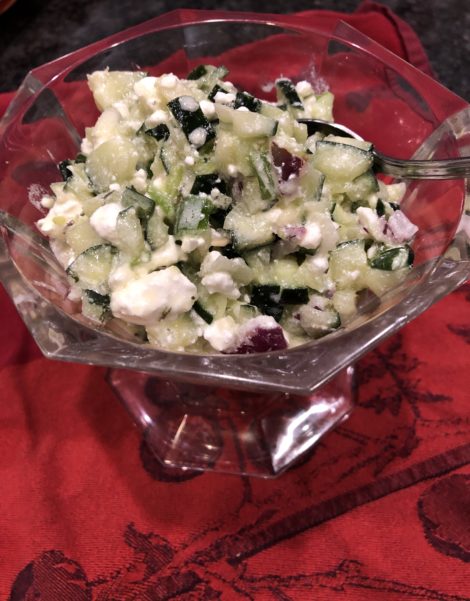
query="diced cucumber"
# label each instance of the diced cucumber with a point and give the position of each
(91, 268)
(347, 264)
(248, 231)
(251, 200)
(242, 312)
(212, 94)
(342, 216)
(109, 87)
(263, 168)
(207, 76)
(266, 298)
(318, 322)
(362, 144)
(160, 132)
(156, 232)
(344, 301)
(95, 306)
(192, 121)
(287, 92)
(129, 233)
(341, 161)
(165, 201)
(212, 305)
(271, 110)
(143, 205)
(79, 183)
(205, 183)
(294, 296)
(193, 215)
(246, 100)
(381, 280)
(253, 125)
(311, 180)
(231, 151)
(81, 235)
(65, 172)
(173, 334)
(201, 311)
(114, 161)
(391, 259)
(361, 187)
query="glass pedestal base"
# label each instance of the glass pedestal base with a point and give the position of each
(197, 427)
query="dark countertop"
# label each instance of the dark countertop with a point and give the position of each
(35, 31)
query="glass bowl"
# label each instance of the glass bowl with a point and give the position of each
(252, 414)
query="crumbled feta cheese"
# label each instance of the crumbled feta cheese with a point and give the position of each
(208, 108)
(146, 87)
(198, 136)
(221, 282)
(153, 296)
(166, 255)
(156, 118)
(372, 223)
(139, 181)
(188, 103)
(219, 238)
(232, 170)
(86, 146)
(395, 192)
(104, 220)
(168, 81)
(224, 98)
(189, 160)
(60, 214)
(47, 202)
(190, 243)
(312, 236)
(303, 88)
(114, 187)
(221, 334)
(318, 262)
(243, 109)
(120, 275)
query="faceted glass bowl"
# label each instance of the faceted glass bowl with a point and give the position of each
(386, 100)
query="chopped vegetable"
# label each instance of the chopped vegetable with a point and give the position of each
(207, 219)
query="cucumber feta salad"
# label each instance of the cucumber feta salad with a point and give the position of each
(204, 219)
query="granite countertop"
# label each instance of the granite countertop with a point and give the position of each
(36, 31)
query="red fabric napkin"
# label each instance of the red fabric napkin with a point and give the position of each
(379, 510)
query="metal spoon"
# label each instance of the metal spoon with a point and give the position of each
(405, 168)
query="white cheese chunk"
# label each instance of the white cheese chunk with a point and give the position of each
(303, 88)
(153, 296)
(139, 181)
(59, 216)
(208, 108)
(312, 236)
(166, 255)
(146, 87)
(168, 81)
(373, 224)
(198, 136)
(224, 98)
(156, 118)
(104, 220)
(221, 282)
(222, 334)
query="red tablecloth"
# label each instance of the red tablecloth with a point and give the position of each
(380, 509)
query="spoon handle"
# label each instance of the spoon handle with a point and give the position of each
(422, 169)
